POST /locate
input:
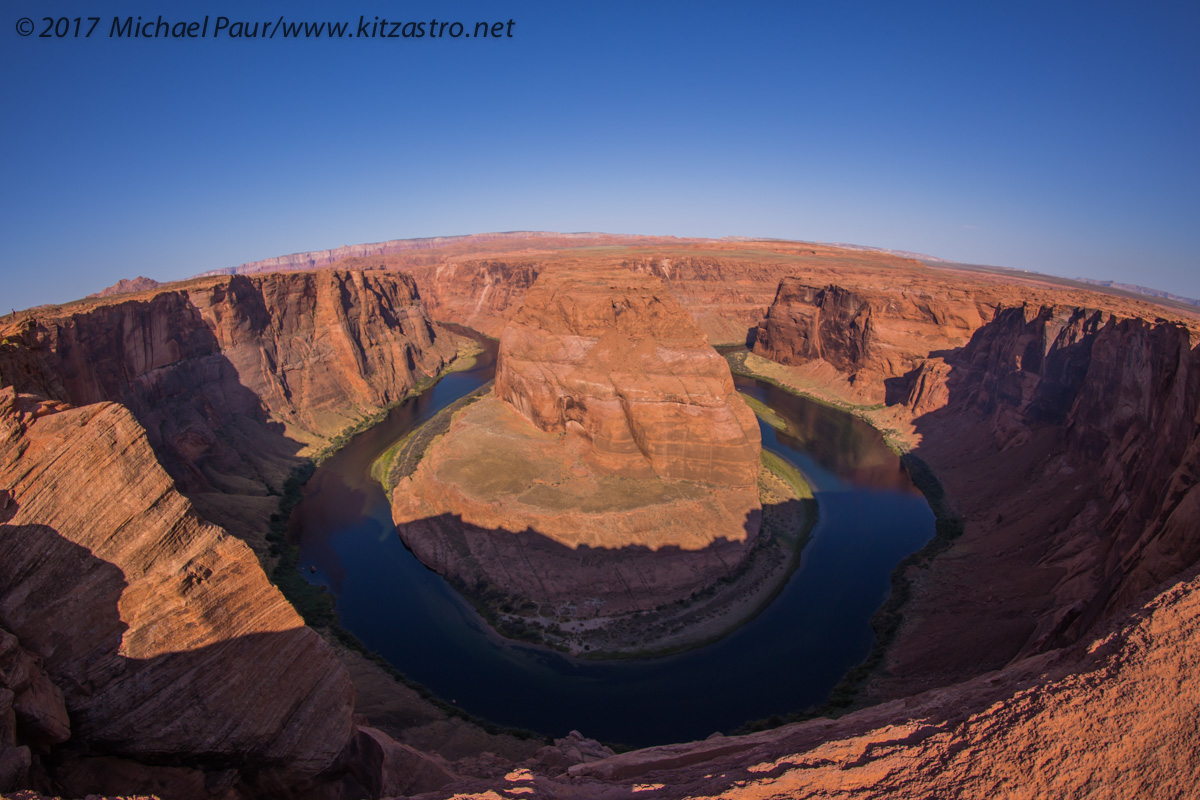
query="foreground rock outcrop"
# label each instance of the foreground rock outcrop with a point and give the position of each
(162, 633)
(614, 471)
(1114, 718)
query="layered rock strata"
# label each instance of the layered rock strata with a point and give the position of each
(235, 379)
(161, 632)
(1063, 434)
(864, 340)
(613, 358)
(1106, 406)
(615, 469)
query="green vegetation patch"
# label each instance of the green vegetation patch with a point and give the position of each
(781, 467)
(765, 413)
(401, 459)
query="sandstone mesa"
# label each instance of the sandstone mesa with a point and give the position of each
(615, 455)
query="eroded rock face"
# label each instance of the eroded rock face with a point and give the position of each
(615, 469)
(162, 632)
(235, 379)
(863, 338)
(480, 294)
(1118, 397)
(612, 357)
(1065, 437)
(805, 323)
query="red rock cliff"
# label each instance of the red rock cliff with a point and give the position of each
(234, 378)
(612, 357)
(1119, 399)
(163, 633)
(865, 336)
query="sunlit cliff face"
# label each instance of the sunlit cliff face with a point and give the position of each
(615, 454)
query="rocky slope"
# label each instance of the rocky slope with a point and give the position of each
(163, 635)
(1064, 435)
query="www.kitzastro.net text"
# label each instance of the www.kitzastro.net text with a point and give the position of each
(221, 27)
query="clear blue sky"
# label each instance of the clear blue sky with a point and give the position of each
(1059, 137)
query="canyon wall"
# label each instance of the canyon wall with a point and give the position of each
(1066, 437)
(1064, 429)
(235, 379)
(481, 295)
(1119, 397)
(865, 339)
(612, 357)
(724, 299)
(184, 671)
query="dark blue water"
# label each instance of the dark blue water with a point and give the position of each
(786, 659)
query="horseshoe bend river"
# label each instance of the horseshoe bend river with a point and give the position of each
(786, 659)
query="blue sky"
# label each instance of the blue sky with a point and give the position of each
(1055, 137)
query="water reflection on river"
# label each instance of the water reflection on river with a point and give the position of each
(786, 659)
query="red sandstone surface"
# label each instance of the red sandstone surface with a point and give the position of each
(612, 357)
(235, 379)
(161, 633)
(1035, 657)
(616, 457)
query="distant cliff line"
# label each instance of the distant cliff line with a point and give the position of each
(316, 259)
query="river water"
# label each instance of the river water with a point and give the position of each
(786, 659)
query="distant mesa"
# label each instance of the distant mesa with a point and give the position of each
(126, 286)
(614, 468)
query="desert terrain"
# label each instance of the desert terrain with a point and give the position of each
(155, 638)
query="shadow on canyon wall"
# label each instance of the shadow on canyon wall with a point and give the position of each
(1068, 439)
(158, 358)
(510, 569)
(188, 724)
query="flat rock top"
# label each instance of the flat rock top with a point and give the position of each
(504, 473)
(500, 455)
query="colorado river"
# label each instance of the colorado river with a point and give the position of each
(785, 659)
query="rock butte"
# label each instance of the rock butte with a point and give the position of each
(616, 456)
(1049, 651)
